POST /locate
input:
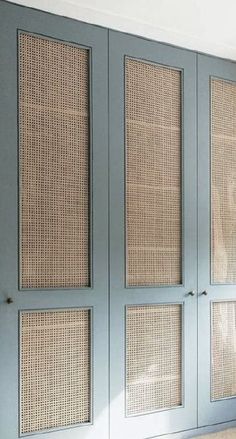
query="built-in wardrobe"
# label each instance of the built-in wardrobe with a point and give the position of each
(117, 231)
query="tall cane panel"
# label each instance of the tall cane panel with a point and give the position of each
(153, 174)
(54, 163)
(223, 182)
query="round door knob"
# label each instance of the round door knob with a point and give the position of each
(191, 293)
(204, 293)
(9, 300)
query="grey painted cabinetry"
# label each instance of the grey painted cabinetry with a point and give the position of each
(118, 225)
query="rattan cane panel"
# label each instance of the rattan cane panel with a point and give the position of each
(223, 356)
(153, 358)
(153, 174)
(54, 163)
(223, 186)
(54, 369)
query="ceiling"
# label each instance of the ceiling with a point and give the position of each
(203, 25)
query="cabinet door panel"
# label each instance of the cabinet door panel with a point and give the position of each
(54, 169)
(217, 219)
(153, 358)
(153, 174)
(152, 238)
(223, 360)
(54, 226)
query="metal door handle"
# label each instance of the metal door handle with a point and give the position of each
(191, 293)
(9, 300)
(204, 293)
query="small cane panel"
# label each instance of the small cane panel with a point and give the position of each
(153, 174)
(223, 356)
(54, 163)
(153, 358)
(223, 183)
(54, 369)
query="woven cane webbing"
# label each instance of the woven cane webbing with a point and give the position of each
(54, 163)
(153, 174)
(54, 369)
(153, 358)
(223, 182)
(223, 356)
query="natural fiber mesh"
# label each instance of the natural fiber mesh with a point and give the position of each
(153, 174)
(54, 163)
(54, 369)
(223, 183)
(153, 358)
(223, 355)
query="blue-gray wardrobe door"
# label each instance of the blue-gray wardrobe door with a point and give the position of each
(54, 222)
(216, 239)
(153, 318)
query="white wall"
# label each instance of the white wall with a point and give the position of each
(203, 25)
